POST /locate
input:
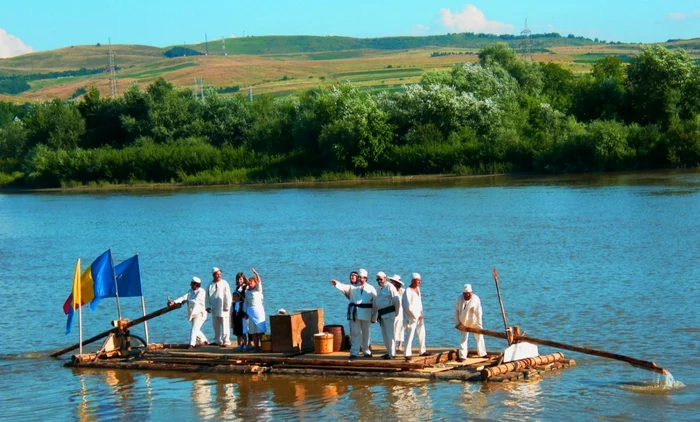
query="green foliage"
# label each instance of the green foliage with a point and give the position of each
(502, 114)
(181, 51)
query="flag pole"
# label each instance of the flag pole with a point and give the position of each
(143, 303)
(116, 288)
(80, 307)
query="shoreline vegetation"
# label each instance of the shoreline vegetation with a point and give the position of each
(502, 115)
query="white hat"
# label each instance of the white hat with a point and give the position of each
(362, 272)
(215, 270)
(467, 288)
(415, 276)
(381, 274)
(196, 280)
(396, 278)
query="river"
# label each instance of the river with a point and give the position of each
(604, 261)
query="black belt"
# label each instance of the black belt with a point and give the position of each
(384, 311)
(352, 309)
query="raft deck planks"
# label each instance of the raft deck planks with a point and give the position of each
(441, 364)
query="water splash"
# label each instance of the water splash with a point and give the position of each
(663, 383)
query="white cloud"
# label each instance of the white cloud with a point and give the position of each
(420, 30)
(11, 46)
(471, 19)
(675, 16)
(696, 13)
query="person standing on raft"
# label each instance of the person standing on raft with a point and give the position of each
(413, 318)
(361, 298)
(398, 321)
(386, 306)
(468, 313)
(219, 304)
(255, 311)
(196, 312)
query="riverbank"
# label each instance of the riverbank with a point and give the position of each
(422, 180)
(306, 182)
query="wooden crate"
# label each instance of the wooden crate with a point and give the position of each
(294, 332)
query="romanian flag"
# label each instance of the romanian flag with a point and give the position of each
(97, 281)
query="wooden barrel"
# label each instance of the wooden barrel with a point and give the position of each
(323, 343)
(338, 332)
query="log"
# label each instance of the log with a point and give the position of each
(228, 359)
(520, 365)
(642, 364)
(116, 329)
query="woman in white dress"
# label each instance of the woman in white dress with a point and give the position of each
(255, 311)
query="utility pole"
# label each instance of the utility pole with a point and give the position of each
(206, 44)
(223, 46)
(250, 93)
(111, 67)
(526, 42)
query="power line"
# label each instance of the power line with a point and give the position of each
(113, 91)
(526, 42)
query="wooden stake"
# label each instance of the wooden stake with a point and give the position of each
(500, 301)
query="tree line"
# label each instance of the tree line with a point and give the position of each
(502, 114)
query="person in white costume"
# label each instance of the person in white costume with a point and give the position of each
(255, 311)
(361, 297)
(196, 312)
(219, 302)
(398, 321)
(386, 306)
(468, 313)
(413, 317)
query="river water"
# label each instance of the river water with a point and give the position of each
(604, 261)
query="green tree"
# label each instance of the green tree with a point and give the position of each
(57, 124)
(657, 78)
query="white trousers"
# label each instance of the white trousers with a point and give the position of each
(360, 337)
(222, 330)
(196, 334)
(398, 329)
(415, 328)
(388, 333)
(480, 345)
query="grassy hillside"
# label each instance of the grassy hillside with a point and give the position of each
(280, 65)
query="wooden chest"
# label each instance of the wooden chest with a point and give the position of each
(294, 332)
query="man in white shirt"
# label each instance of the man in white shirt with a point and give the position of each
(361, 297)
(386, 306)
(468, 313)
(219, 304)
(196, 312)
(398, 321)
(413, 317)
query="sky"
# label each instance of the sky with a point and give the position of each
(37, 25)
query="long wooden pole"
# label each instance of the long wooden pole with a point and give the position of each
(500, 301)
(643, 364)
(114, 330)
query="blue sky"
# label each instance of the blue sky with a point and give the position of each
(49, 24)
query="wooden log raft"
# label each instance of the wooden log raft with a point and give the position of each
(520, 365)
(137, 321)
(226, 359)
(642, 364)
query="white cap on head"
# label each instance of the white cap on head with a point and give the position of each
(415, 276)
(396, 278)
(215, 270)
(196, 280)
(467, 288)
(381, 274)
(362, 272)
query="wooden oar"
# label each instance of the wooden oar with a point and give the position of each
(643, 364)
(114, 330)
(500, 301)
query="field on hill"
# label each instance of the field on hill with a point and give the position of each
(284, 65)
